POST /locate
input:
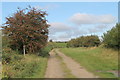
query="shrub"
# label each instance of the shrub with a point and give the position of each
(44, 52)
(84, 41)
(10, 56)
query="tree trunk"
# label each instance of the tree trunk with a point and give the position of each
(24, 49)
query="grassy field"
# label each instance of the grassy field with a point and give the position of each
(57, 45)
(102, 62)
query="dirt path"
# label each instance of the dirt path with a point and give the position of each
(54, 69)
(75, 67)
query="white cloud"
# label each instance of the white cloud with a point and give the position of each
(64, 32)
(102, 26)
(83, 18)
(95, 24)
(97, 28)
(57, 27)
(60, 37)
(61, 31)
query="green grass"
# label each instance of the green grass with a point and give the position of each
(60, 45)
(97, 60)
(57, 44)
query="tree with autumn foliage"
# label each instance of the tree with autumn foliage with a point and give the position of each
(27, 30)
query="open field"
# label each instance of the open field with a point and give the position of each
(102, 62)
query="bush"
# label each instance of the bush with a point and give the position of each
(9, 56)
(84, 41)
(25, 69)
(44, 52)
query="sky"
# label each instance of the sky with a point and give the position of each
(71, 19)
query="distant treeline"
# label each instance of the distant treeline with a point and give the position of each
(84, 41)
(111, 39)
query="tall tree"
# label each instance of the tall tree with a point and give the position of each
(27, 29)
